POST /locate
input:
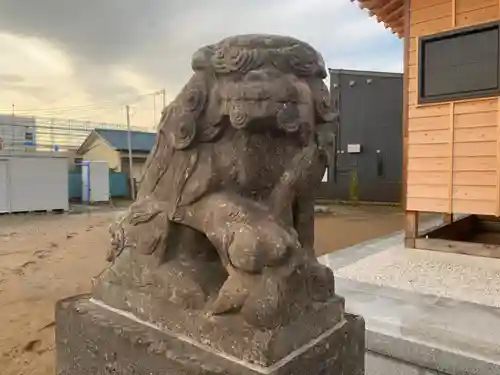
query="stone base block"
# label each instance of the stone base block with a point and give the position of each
(229, 333)
(94, 339)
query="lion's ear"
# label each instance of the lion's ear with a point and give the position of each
(180, 120)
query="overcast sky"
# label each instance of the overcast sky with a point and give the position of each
(59, 56)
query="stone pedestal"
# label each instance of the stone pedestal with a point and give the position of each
(92, 338)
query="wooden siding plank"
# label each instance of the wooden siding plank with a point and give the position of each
(429, 105)
(464, 6)
(428, 137)
(477, 164)
(429, 123)
(476, 193)
(427, 204)
(465, 206)
(431, 27)
(428, 191)
(475, 149)
(431, 13)
(479, 134)
(476, 106)
(475, 120)
(427, 177)
(422, 4)
(461, 107)
(473, 178)
(417, 112)
(428, 151)
(428, 164)
(478, 16)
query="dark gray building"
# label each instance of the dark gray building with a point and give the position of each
(369, 156)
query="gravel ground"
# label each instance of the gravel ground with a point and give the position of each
(44, 258)
(456, 276)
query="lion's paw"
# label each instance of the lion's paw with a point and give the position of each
(262, 245)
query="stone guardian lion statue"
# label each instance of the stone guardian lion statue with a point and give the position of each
(223, 224)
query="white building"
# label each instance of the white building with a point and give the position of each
(17, 133)
(33, 181)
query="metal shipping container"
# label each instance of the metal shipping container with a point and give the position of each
(33, 182)
(369, 141)
(95, 181)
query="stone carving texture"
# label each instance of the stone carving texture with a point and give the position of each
(224, 218)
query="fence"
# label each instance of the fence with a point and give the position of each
(25, 133)
(118, 185)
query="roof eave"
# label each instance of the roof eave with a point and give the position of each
(81, 150)
(135, 151)
(388, 12)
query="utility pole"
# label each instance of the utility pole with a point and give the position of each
(154, 110)
(129, 133)
(164, 96)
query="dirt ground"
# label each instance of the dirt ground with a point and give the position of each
(44, 258)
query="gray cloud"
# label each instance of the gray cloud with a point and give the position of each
(41, 93)
(102, 88)
(157, 37)
(102, 31)
(10, 79)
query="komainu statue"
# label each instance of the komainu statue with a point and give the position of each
(223, 223)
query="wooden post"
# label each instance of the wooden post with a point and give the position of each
(411, 217)
(411, 228)
(406, 89)
(447, 218)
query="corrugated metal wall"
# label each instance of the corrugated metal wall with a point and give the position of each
(33, 182)
(371, 115)
(118, 185)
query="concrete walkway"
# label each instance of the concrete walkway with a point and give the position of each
(418, 307)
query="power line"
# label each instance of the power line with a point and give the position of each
(69, 108)
(20, 120)
(47, 131)
(83, 106)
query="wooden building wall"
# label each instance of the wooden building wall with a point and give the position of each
(453, 158)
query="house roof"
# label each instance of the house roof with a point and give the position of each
(142, 142)
(389, 12)
(118, 139)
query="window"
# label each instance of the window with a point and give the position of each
(28, 136)
(461, 64)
